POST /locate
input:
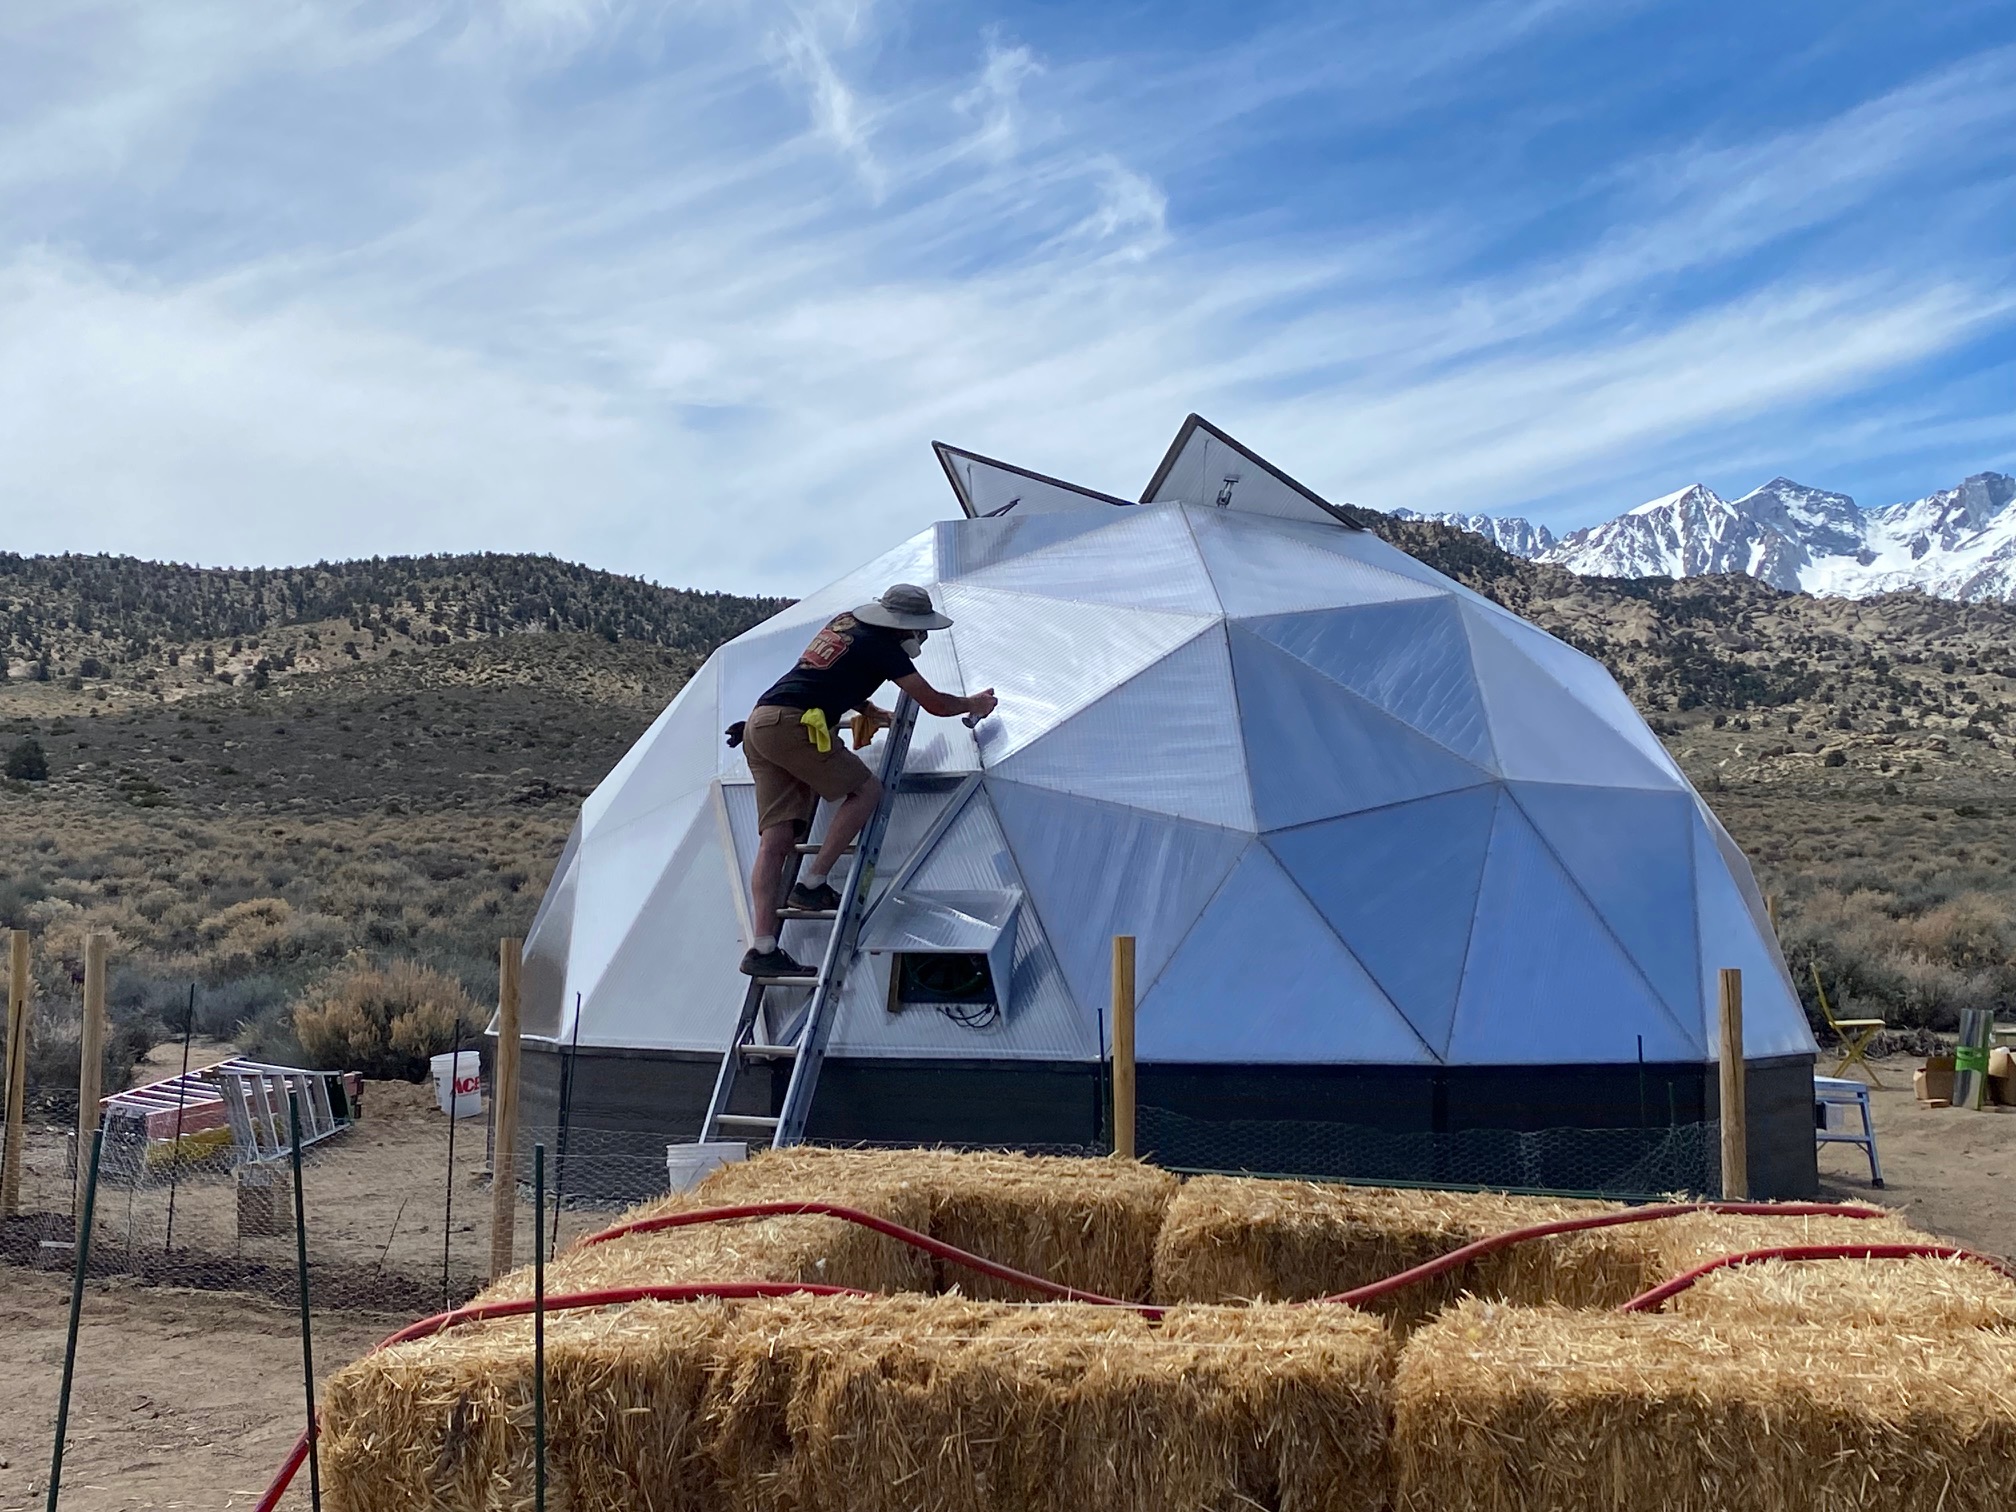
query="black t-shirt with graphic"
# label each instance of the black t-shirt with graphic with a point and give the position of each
(846, 662)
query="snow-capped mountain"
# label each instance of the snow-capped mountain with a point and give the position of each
(1958, 543)
(1510, 533)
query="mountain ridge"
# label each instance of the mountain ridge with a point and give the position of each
(1957, 543)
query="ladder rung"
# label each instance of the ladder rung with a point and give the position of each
(810, 979)
(808, 913)
(747, 1121)
(812, 849)
(771, 1052)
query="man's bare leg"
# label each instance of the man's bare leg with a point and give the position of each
(766, 880)
(847, 822)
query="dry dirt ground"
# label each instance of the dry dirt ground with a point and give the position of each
(189, 1399)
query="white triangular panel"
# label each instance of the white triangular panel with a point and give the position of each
(1543, 732)
(1166, 741)
(1146, 559)
(1095, 871)
(986, 488)
(621, 866)
(1262, 980)
(1774, 1022)
(545, 1009)
(1048, 658)
(1206, 466)
(1410, 659)
(1315, 750)
(1545, 982)
(1261, 569)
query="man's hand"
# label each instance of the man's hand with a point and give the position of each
(983, 703)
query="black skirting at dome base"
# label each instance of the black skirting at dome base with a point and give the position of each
(1631, 1130)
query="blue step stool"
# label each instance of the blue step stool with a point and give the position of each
(1831, 1092)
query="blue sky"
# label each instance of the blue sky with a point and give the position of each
(685, 289)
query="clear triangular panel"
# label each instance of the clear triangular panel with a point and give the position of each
(1206, 466)
(1042, 1019)
(1145, 559)
(1166, 741)
(1314, 749)
(1399, 886)
(1543, 732)
(1546, 983)
(1410, 659)
(1261, 979)
(1264, 567)
(680, 751)
(671, 981)
(969, 546)
(915, 561)
(1774, 1022)
(1094, 871)
(1630, 853)
(1049, 658)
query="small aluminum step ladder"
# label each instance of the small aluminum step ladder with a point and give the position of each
(803, 1042)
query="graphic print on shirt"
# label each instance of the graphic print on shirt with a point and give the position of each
(830, 644)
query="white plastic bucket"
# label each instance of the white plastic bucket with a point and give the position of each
(468, 1083)
(687, 1165)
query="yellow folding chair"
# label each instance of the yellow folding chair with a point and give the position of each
(1854, 1034)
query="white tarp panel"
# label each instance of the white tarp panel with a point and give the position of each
(1263, 567)
(1262, 980)
(1145, 559)
(1733, 934)
(1049, 658)
(1540, 731)
(1315, 749)
(1399, 886)
(620, 866)
(1545, 982)
(1095, 871)
(1163, 741)
(543, 975)
(1410, 659)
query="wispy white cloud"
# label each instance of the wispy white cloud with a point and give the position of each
(686, 288)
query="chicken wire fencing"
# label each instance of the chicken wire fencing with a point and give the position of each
(404, 1236)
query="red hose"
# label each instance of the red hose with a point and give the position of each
(1647, 1301)
(1373, 1290)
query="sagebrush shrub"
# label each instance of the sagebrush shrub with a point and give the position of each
(385, 1022)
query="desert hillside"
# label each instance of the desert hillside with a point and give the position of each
(254, 778)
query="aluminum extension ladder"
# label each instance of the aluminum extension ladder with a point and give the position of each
(803, 1041)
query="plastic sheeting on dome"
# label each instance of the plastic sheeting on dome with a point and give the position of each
(1353, 812)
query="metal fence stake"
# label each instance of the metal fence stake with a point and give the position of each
(538, 1335)
(448, 1201)
(83, 1247)
(307, 1335)
(181, 1101)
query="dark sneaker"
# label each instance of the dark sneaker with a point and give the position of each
(776, 962)
(815, 899)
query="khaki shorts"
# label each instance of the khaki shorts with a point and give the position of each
(791, 774)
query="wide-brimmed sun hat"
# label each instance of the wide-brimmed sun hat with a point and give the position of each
(903, 606)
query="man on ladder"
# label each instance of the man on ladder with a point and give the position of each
(796, 758)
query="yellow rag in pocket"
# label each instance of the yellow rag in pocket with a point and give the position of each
(815, 721)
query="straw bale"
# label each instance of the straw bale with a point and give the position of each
(1232, 1238)
(949, 1405)
(446, 1423)
(1086, 1223)
(1687, 1241)
(1916, 1296)
(1502, 1409)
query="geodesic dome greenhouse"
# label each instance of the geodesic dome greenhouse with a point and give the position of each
(1413, 884)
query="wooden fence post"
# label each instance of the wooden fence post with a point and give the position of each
(1735, 1146)
(504, 1112)
(16, 1072)
(91, 1044)
(1123, 1046)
